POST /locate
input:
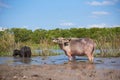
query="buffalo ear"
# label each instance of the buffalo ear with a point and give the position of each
(69, 39)
(53, 38)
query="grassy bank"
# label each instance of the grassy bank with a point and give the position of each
(106, 49)
(108, 44)
(44, 48)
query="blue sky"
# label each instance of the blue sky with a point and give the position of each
(51, 14)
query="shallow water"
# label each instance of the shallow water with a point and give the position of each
(112, 63)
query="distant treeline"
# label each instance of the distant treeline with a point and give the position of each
(24, 35)
(104, 37)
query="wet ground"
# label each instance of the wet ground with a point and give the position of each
(59, 68)
(113, 63)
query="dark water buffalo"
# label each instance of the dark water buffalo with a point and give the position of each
(23, 52)
(77, 47)
(16, 52)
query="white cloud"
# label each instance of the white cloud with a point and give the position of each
(25, 26)
(67, 24)
(118, 25)
(102, 25)
(100, 13)
(2, 28)
(97, 25)
(103, 3)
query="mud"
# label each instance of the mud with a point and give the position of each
(58, 68)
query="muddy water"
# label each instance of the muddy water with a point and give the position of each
(112, 63)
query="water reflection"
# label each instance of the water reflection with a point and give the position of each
(22, 60)
(80, 65)
(59, 51)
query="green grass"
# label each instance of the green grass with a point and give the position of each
(111, 43)
(109, 46)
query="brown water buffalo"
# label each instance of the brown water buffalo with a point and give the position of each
(77, 47)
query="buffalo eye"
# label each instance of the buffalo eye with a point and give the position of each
(66, 44)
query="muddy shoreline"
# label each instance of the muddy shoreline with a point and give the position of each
(68, 71)
(59, 68)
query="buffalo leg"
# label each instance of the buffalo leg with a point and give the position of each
(90, 57)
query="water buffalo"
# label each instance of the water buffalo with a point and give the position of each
(76, 47)
(16, 52)
(23, 52)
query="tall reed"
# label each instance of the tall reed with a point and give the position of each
(109, 45)
(46, 47)
(6, 43)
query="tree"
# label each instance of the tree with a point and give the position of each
(38, 35)
(21, 35)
